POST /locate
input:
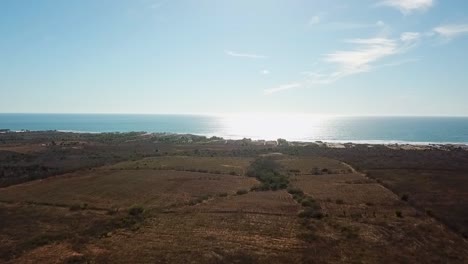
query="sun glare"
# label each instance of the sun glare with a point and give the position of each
(271, 127)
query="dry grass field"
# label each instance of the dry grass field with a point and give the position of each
(201, 209)
(441, 193)
(108, 189)
(362, 211)
(218, 165)
(312, 165)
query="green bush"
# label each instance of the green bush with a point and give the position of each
(269, 173)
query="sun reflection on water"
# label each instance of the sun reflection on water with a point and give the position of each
(271, 127)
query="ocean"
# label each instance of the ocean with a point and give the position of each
(415, 130)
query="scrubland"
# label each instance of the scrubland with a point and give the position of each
(156, 198)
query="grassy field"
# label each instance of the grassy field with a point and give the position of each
(314, 165)
(217, 165)
(440, 193)
(362, 212)
(222, 203)
(108, 189)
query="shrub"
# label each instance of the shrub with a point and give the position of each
(311, 213)
(233, 173)
(260, 187)
(308, 236)
(349, 232)
(268, 172)
(315, 171)
(405, 197)
(112, 211)
(75, 207)
(241, 192)
(298, 197)
(223, 194)
(136, 210)
(339, 201)
(429, 213)
(399, 214)
(308, 202)
(294, 190)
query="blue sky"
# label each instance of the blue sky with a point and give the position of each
(363, 57)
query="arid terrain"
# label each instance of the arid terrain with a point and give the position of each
(159, 198)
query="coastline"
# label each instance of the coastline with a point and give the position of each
(395, 144)
(337, 130)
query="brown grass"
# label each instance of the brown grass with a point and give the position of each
(225, 165)
(123, 188)
(309, 164)
(360, 224)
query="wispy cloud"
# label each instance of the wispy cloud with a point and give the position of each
(368, 51)
(245, 55)
(451, 31)
(408, 6)
(265, 72)
(314, 20)
(351, 25)
(282, 88)
(363, 58)
(410, 37)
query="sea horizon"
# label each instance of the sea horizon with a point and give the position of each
(418, 130)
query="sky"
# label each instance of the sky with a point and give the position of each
(323, 57)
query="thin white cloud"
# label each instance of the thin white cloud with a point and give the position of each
(451, 31)
(245, 55)
(351, 25)
(363, 58)
(380, 23)
(367, 52)
(409, 37)
(408, 6)
(265, 72)
(314, 20)
(282, 88)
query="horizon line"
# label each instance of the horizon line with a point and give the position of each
(228, 114)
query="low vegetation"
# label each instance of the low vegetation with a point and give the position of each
(311, 209)
(241, 192)
(269, 173)
(185, 191)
